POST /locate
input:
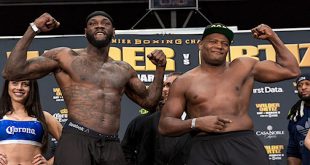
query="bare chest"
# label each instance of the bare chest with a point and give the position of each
(214, 89)
(108, 74)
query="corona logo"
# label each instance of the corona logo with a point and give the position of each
(64, 111)
(62, 116)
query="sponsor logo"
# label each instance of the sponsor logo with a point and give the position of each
(12, 130)
(76, 126)
(143, 111)
(267, 90)
(219, 25)
(275, 152)
(303, 129)
(269, 110)
(62, 116)
(269, 133)
(58, 95)
(301, 78)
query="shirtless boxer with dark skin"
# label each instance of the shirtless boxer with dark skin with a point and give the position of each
(92, 85)
(217, 93)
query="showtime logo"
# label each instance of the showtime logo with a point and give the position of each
(267, 90)
(275, 152)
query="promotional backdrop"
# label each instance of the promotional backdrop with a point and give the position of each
(270, 102)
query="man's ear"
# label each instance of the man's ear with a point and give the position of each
(200, 44)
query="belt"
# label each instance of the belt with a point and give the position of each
(87, 131)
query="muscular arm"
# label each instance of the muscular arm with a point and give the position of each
(18, 67)
(146, 97)
(286, 65)
(170, 122)
(136, 90)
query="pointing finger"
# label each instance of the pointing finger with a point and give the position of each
(224, 120)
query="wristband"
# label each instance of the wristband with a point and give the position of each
(34, 28)
(193, 126)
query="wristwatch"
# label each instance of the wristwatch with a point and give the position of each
(34, 28)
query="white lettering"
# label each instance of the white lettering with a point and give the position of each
(186, 59)
(12, 130)
(146, 77)
(76, 126)
(268, 90)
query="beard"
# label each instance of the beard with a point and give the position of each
(99, 43)
(304, 98)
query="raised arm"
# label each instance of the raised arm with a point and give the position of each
(148, 98)
(17, 66)
(286, 65)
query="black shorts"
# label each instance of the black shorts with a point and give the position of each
(233, 148)
(79, 145)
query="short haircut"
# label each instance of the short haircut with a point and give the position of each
(102, 13)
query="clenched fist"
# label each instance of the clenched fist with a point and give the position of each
(263, 32)
(158, 58)
(46, 23)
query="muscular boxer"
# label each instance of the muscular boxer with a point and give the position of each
(92, 85)
(216, 95)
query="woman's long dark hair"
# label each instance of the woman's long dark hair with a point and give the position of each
(32, 106)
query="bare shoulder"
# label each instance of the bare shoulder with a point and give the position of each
(60, 52)
(244, 61)
(122, 64)
(191, 73)
(186, 78)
